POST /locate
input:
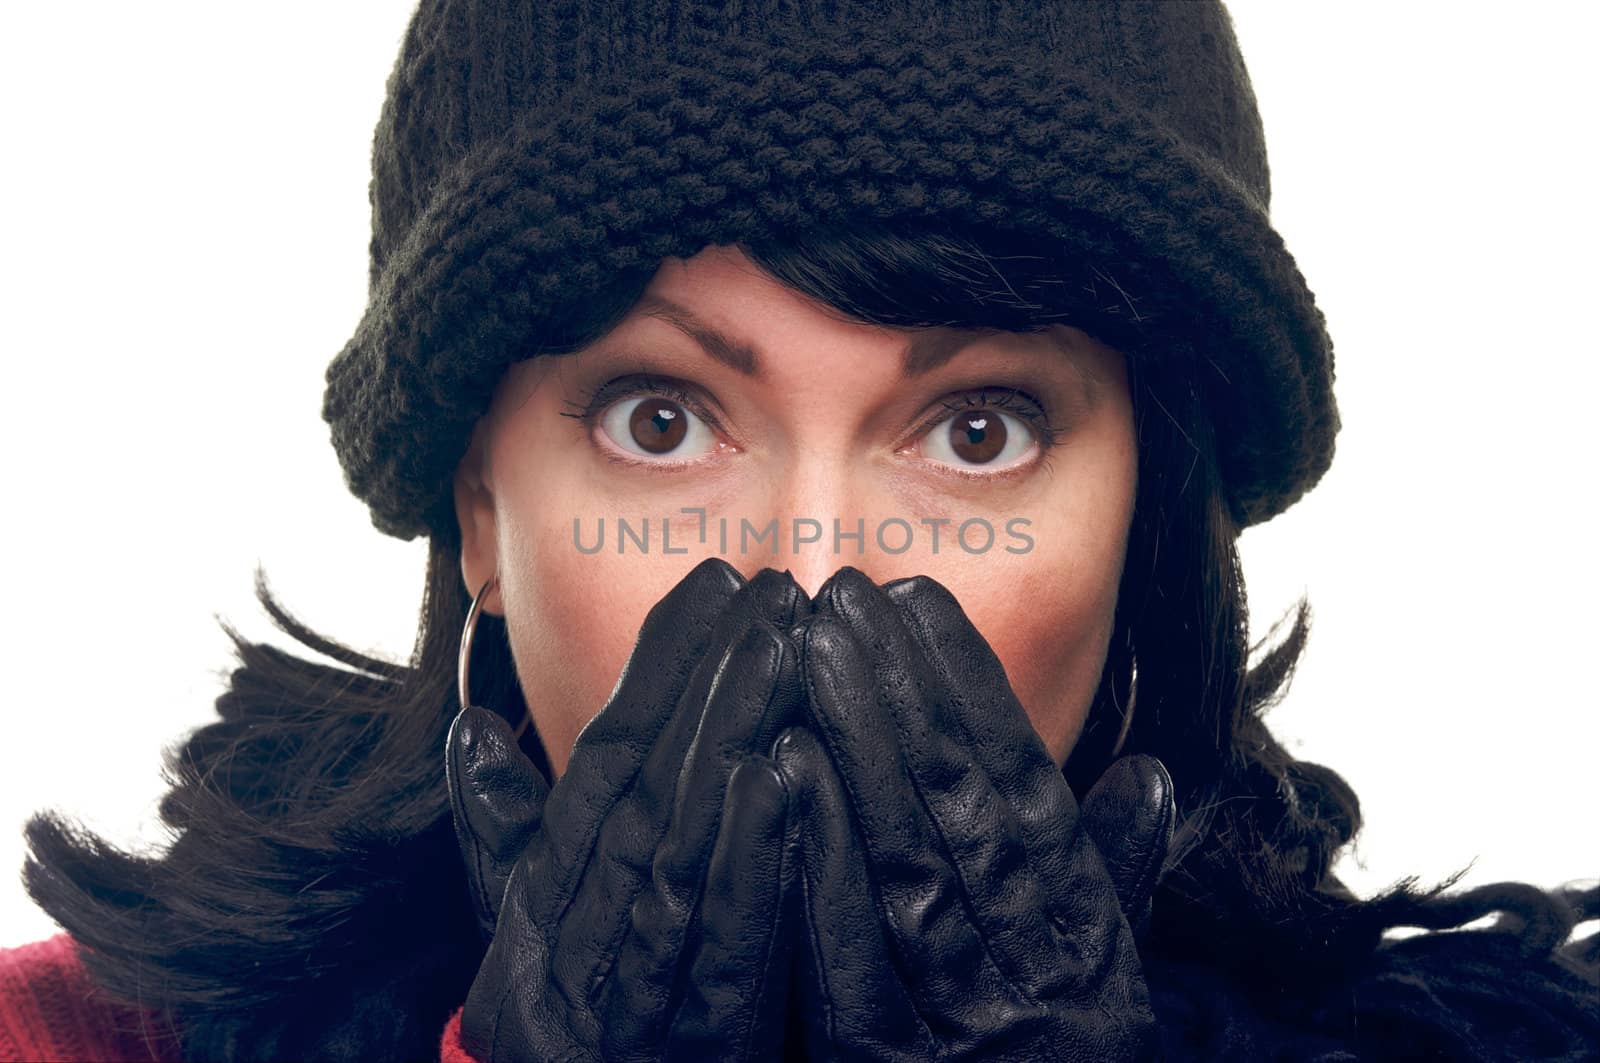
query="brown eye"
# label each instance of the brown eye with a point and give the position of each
(658, 425)
(978, 436)
(655, 426)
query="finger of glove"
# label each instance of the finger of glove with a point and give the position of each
(748, 923)
(1129, 813)
(996, 728)
(735, 995)
(854, 999)
(973, 819)
(756, 688)
(514, 1010)
(1099, 970)
(497, 798)
(941, 951)
(755, 694)
(768, 603)
(613, 745)
(625, 843)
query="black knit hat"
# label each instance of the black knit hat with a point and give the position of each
(530, 152)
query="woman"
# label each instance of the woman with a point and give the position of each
(722, 239)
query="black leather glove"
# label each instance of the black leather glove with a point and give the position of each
(603, 946)
(957, 907)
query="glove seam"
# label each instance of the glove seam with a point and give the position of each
(829, 741)
(764, 979)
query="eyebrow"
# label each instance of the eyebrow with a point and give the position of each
(927, 351)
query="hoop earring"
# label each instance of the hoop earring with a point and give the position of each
(464, 658)
(1133, 703)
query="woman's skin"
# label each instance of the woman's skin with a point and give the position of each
(826, 427)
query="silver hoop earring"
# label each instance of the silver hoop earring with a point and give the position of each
(464, 658)
(1133, 703)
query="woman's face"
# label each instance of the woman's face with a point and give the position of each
(725, 394)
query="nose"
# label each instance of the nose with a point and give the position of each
(812, 572)
(825, 514)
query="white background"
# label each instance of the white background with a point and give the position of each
(185, 249)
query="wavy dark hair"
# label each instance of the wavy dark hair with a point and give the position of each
(311, 903)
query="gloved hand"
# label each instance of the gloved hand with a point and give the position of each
(603, 946)
(957, 907)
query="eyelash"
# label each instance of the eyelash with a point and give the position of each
(596, 401)
(1011, 400)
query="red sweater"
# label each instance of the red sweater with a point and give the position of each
(50, 1010)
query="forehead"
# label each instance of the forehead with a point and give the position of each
(923, 351)
(741, 317)
(728, 313)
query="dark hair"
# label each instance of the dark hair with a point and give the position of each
(310, 818)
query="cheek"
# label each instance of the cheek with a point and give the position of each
(1049, 613)
(573, 619)
(1051, 640)
(554, 623)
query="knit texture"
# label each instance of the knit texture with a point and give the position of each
(50, 1010)
(528, 155)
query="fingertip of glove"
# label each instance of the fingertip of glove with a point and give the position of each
(758, 633)
(763, 641)
(714, 573)
(472, 727)
(826, 600)
(1154, 782)
(706, 591)
(755, 774)
(847, 589)
(778, 597)
(793, 751)
(920, 591)
(791, 601)
(771, 582)
(1137, 787)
